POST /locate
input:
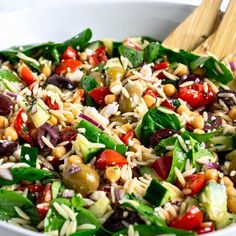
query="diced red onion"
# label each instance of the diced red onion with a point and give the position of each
(6, 174)
(74, 169)
(211, 165)
(12, 95)
(91, 121)
(67, 193)
(118, 194)
(232, 66)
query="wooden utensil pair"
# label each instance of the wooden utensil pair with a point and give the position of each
(199, 32)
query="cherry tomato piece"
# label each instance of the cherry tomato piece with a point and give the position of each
(195, 182)
(69, 65)
(167, 104)
(99, 94)
(50, 104)
(126, 137)
(151, 93)
(26, 75)
(98, 56)
(162, 166)
(205, 228)
(161, 66)
(70, 53)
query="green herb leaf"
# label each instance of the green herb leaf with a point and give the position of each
(151, 52)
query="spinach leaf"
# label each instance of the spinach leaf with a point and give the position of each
(153, 230)
(144, 210)
(26, 173)
(88, 83)
(85, 232)
(155, 119)
(151, 52)
(179, 160)
(77, 202)
(161, 147)
(135, 57)
(11, 199)
(201, 138)
(56, 186)
(29, 155)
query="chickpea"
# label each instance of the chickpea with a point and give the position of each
(2, 122)
(117, 132)
(170, 90)
(149, 100)
(83, 56)
(199, 131)
(110, 98)
(197, 122)
(10, 134)
(181, 70)
(231, 191)
(232, 204)
(69, 117)
(33, 133)
(113, 173)
(232, 113)
(182, 108)
(59, 151)
(169, 154)
(53, 120)
(127, 127)
(46, 70)
(227, 181)
(211, 174)
(75, 159)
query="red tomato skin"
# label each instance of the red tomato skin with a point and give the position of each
(45, 195)
(98, 56)
(53, 106)
(195, 182)
(126, 137)
(167, 104)
(203, 229)
(110, 158)
(70, 53)
(161, 66)
(26, 75)
(191, 220)
(162, 166)
(99, 94)
(151, 93)
(67, 65)
(42, 209)
(195, 95)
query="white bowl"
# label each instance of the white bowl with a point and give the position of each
(107, 18)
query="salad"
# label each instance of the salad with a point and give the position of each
(116, 138)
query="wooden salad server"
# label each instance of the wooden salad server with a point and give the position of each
(195, 28)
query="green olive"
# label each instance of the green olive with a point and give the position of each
(123, 119)
(80, 177)
(98, 77)
(135, 95)
(116, 73)
(232, 167)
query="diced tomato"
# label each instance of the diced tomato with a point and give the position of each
(42, 209)
(191, 220)
(33, 85)
(67, 65)
(161, 66)
(162, 166)
(195, 95)
(79, 95)
(126, 137)
(26, 75)
(110, 158)
(151, 93)
(33, 188)
(70, 53)
(21, 126)
(99, 94)
(45, 195)
(205, 228)
(189, 127)
(53, 106)
(195, 182)
(167, 104)
(98, 56)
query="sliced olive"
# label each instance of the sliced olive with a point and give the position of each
(5, 105)
(61, 82)
(7, 147)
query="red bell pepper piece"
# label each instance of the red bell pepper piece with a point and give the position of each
(161, 66)
(53, 106)
(98, 56)
(167, 104)
(195, 182)
(126, 137)
(110, 158)
(99, 94)
(26, 75)
(69, 65)
(70, 53)
(151, 93)
(205, 228)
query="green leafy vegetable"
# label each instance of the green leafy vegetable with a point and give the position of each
(161, 147)
(10, 200)
(29, 155)
(153, 230)
(135, 57)
(26, 173)
(56, 185)
(77, 202)
(151, 52)
(144, 210)
(201, 138)
(100, 137)
(88, 83)
(155, 119)
(178, 161)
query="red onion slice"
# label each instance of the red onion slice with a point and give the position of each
(232, 66)
(91, 121)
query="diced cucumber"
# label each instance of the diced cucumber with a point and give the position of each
(39, 117)
(108, 43)
(223, 143)
(150, 171)
(156, 193)
(29, 155)
(94, 45)
(99, 208)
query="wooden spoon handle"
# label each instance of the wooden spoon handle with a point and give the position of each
(195, 28)
(223, 42)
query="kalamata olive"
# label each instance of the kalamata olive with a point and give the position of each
(7, 147)
(68, 135)
(115, 222)
(227, 95)
(61, 82)
(80, 177)
(127, 104)
(212, 122)
(161, 134)
(5, 105)
(188, 78)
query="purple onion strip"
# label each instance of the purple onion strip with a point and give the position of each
(91, 121)
(232, 66)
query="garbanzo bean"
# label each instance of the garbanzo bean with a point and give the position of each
(113, 173)
(232, 113)
(211, 174)
(170, 90)
(10, 134)
(59, 151)
(232, 204)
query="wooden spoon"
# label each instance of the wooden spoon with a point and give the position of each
(195, 28)
(222, 43)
